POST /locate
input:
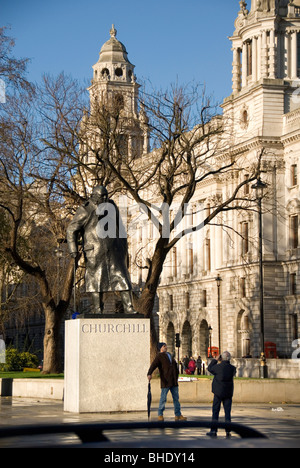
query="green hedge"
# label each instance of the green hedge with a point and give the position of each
(16, 361)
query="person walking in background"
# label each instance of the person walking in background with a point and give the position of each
(222, 388)
(192, 365)
(185, 363)
(168, 371)
(199, 365)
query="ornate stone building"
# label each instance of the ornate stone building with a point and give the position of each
(262, 113)
(209, 289)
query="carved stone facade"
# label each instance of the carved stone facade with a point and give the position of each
(262, 112)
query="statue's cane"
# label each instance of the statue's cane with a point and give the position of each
(74, 286)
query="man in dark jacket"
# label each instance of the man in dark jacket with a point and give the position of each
(168, 371)
(222, 387)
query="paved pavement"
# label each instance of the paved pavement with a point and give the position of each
(280, 423)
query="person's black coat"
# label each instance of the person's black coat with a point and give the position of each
(223, 372)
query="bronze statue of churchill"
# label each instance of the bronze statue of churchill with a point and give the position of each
(105, 255)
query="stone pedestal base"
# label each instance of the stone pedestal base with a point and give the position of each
(106, 364)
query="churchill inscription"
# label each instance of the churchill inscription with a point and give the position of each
(112, 328)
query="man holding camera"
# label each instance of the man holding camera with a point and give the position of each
(222, 387)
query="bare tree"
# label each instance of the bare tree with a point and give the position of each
(55, 148)
(188, 145)
(34, 214)
(12, 70)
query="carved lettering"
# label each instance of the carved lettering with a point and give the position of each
(101, 328)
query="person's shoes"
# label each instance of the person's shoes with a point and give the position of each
(160, 418)
(228, 435)
(180, 418)
(212, 434)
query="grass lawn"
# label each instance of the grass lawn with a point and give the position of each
(29, 375)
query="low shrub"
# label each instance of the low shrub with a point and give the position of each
(16, 360)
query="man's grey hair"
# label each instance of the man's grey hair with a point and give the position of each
(226, 356)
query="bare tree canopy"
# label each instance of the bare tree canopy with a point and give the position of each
(55, 148)
(12, 70)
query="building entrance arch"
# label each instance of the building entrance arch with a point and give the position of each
(171, 338)
(186, 339)
(204, 339)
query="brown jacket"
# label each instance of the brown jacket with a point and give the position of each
(168, 370)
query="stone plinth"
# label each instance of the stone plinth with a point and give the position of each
(106, 364)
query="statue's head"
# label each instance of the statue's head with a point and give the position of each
(99, 194)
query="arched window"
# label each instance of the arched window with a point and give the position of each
(119, 72)
(105, 73)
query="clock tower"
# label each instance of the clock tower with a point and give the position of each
(114, 82)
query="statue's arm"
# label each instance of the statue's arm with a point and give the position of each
(75, 226)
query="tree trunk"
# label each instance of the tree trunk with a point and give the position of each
(54, 316)
(52, 342)
(145, 302)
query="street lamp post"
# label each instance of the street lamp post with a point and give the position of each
(218, 280)
(259, 187)
(210, 333)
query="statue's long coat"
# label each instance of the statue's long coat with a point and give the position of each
(105, 258)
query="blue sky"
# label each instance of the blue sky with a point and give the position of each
(167, 40)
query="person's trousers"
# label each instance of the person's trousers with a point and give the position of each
(163, 398)
(227, 404)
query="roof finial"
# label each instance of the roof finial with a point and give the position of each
(113, 31)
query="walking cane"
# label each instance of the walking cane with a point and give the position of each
(74, 284)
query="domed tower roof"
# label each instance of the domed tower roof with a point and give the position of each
(113, 64)
(113, 51)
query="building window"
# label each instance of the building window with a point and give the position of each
(243, 287)
(294, 175)
(294, 326)
(246, 186)
(245, 238)
(171, 302)
(187, 300)
(294, 231)
(119, 72)
(207, 255)
(204, 298)
(190, 260)
(293, 284)
(174, 255)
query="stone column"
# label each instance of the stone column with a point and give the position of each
(236, 71)
(244, 65)
(264, 55)
(254, 59)
(286, 55)
(294, 64)
(258, 68)
(272, 55)
(279, 64)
